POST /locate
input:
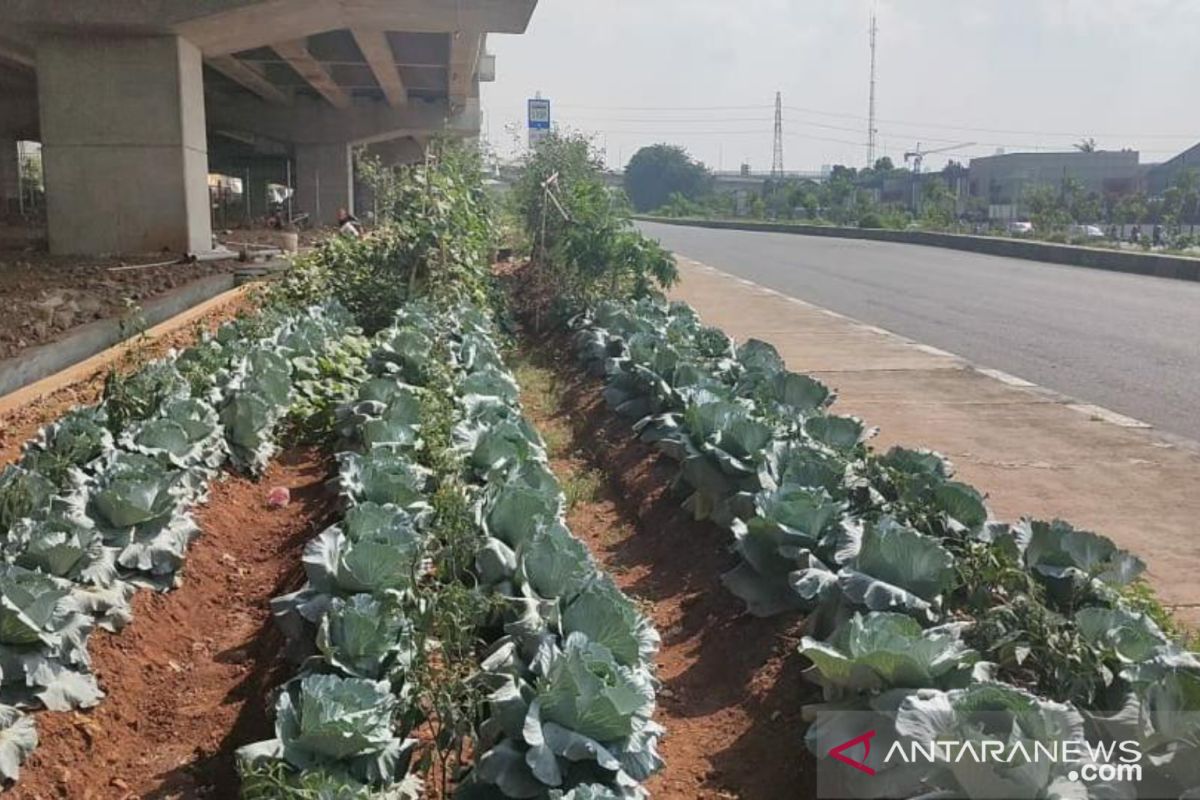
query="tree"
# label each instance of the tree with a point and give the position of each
(1087, 145)
(937, 204)
(1131, 209)
(884, 164)
(659, 171)
(1082, 206)
(1047, 211)
(1180, 199)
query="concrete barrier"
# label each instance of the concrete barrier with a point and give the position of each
(1160, 266)
(87, 340)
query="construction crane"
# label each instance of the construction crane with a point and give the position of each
(918, 155)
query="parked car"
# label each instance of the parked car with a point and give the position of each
(1020, 228)
(1086, 232)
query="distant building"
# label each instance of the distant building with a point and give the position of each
(1161, 176)
(1003, 180)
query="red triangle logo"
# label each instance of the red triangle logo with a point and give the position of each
(865, 740)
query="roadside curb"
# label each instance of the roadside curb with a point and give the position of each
(80, 369)
(1148, 264)
(45, 360)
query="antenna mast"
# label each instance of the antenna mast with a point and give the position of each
(872, 131)
(777, 161)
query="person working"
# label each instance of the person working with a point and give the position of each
(348, 224)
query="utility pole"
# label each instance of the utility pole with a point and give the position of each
(872, 131)
(777, 161)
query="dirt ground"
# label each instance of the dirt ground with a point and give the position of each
(188, 681)
(731, 691)
(21, 424)
(44, 296)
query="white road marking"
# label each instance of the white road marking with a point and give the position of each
(1089, 409)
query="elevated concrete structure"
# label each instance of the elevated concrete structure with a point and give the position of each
(126, 135)
(131, 98)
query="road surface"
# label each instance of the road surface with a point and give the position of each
(1125, 342)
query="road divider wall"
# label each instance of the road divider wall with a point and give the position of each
(1159, 266)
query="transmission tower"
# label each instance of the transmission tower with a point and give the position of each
(777, 161)
(872, 131)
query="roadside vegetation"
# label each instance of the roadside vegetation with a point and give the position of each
(665, 181)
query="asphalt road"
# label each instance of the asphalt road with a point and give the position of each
(1125, 342)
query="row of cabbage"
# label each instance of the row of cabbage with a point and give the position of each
(342, 724)
(99, 503)
(565, 657)
(928, 619)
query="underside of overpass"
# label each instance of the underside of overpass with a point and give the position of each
(135, 103)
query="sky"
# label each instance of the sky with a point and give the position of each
(973, 76)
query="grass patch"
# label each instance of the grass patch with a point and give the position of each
(582, 486)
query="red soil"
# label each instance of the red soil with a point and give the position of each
(21, 424)
(188, 681)
(86, 285)
(732, 691)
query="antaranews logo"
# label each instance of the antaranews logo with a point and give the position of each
(839, 752)
(896, 766)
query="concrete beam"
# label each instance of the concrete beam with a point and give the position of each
(466, 48)
(123, 143)
(222, 27)
(257, 24)
(309, 121)
(378, 52)
(17, 53)
(296, 54)
(19, 112)
(249, 77)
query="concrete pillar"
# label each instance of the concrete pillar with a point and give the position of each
(324, 181)
(10, 180)
(9, 176)
(256, 191)
(124, 146)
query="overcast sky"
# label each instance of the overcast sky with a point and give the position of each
(1018, 74)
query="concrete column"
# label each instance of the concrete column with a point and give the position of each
(324, 181)
(124, 146)
(256, 192)
(10, 181)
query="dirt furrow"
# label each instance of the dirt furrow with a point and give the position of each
(731, 692)
(187, 682)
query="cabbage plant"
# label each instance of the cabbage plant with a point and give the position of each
(136, 502)
(785, 522)
(376, 550)
(18, 738)
(23, 493)
(586, 720)
(76, 440)
(66, 548)
(893, 568)
(43, 642)
(384, 476)
(883, 650)
(341, 727)
(990, 715)
(257, 396)
(186, 434)
(366, 637)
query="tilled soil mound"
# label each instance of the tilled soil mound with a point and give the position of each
(188, 681)
(732, 692)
